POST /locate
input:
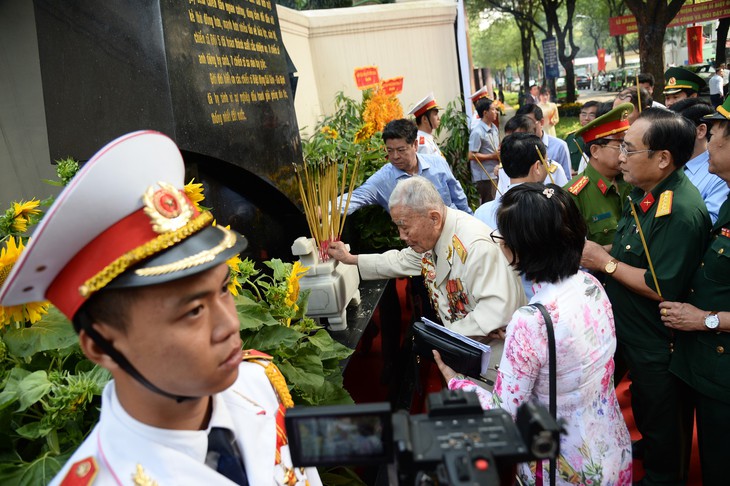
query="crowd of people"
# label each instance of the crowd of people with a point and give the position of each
(622, 234)
(627, 256)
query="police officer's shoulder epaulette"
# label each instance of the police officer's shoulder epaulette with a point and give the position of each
(81, 473)
(578, 185)
(665, 204)
(254, 355)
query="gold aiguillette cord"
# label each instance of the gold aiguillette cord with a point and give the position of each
(544, 163)
(646, 248)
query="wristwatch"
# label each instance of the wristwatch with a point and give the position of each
(610, 267)
(712, 321)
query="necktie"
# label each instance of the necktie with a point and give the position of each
(224, 457)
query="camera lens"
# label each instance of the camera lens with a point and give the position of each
(543, 445)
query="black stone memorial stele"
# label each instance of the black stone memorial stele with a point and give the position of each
(211, 74)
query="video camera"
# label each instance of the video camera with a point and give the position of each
(456, 441)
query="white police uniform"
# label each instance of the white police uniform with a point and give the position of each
(128, 452)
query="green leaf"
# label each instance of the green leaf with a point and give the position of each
(32, 388)
(54, 331)
(11, 392)
(34, 430)
(252, 314)
(270, 338)
(328, 347)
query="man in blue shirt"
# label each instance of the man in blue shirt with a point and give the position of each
(404, 160)
(557, 149)
(484, 149)
(714, 191)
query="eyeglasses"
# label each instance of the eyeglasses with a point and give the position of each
(589, 114)
(626, 153)
(496, 236)
(617, 147)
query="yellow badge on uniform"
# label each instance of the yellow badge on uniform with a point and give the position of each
(459, 248)
(578, 186)
(665, 204)
(81, 473)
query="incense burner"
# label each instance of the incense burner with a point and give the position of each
(332, 285)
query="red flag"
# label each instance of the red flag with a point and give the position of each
(694, 44)
(601, 54)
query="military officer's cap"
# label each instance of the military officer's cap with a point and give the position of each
(123, 221)
(427, 103)
(482, 93)
(679, 78)
(722, 113)
(608, 125)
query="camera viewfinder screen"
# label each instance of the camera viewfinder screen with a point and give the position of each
(340, 440)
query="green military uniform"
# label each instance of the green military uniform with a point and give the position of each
(575, 153)
(600, 202)
(702, 358)
(678, 78)
(676, 227)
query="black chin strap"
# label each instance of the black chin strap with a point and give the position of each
(82, 320)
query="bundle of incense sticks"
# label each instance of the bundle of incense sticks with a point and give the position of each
(321, 189)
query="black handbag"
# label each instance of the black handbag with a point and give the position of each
(459, 354)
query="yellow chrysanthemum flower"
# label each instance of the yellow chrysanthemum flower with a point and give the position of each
(31, 312)
(194, 191)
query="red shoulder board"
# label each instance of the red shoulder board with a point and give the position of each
(249, 354)
(81, 473)
(421, 140)
(578, 186)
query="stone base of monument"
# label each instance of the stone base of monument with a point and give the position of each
(332, 285)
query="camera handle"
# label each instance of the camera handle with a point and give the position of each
(463, 469)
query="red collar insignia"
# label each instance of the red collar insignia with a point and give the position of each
(602, 186)
(647, 202)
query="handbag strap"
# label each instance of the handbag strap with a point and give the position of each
(552, 369)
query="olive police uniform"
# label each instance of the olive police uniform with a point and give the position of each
(702, 358)
(126, 222)
(600, 200)
(676, 227)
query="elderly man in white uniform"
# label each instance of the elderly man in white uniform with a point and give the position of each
(470, 282)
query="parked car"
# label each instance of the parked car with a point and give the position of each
(583, 81)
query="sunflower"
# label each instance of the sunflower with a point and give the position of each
(31, 312)
(292, 284)
(22, 214)
(365, 132)
(234, 285)
(194, 192)
(329, 132)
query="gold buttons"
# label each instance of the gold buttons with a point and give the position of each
(605, 230)
(721, 251)
(702, 264)
(628, 247)
(720, 350)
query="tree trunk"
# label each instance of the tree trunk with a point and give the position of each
(722, 28)
(652, 18)
(620, 53)
(526, 46)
